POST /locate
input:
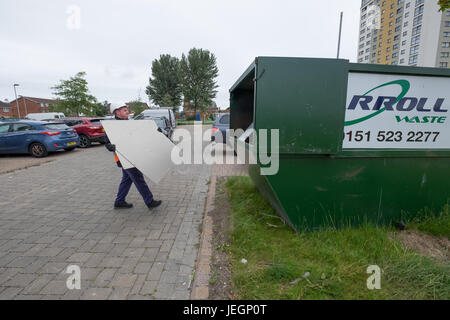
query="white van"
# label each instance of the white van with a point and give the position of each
(161, 112)
(45, 115)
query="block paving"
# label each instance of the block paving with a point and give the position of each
(61, 213)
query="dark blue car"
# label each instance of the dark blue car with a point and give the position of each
(37, 138)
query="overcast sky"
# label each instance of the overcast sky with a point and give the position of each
(114, 42)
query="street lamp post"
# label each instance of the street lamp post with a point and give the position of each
(17, 101)
(339, 39)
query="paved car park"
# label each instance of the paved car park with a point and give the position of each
(10, 163)
(60, 213)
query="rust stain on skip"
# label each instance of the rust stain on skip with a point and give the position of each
(353, 174)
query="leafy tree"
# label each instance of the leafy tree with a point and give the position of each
(168, 101)
(198, 72)
(137, 106)
(444, 4)
(100, 109)
(73, 97)
(164, 87)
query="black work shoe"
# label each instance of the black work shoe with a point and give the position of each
(123, 205)
(154, 204)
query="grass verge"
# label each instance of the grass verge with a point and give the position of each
(436, 225)
(331, 264)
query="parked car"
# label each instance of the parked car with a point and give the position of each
(161, 112)
(163, 125)
(44, 115)
(89, 129)
(37, 138)
(220, 127)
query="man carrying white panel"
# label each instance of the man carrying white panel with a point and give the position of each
(130, 174)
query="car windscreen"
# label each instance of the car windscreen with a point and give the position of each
(70, 123)
(225, 119)
(55, 126)
(96, 122)
(160, 123)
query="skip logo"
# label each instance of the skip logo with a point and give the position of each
(375, 105)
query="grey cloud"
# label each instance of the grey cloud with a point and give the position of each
(117, 40)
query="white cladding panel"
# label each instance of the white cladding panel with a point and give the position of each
(139, 144)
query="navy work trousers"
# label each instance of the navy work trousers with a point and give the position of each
(130, 176)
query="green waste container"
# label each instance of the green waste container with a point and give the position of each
(357, 143)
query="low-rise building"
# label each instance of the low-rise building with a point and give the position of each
(190, 111)
(6, 109)
(30, 105)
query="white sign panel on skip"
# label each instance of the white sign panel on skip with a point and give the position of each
(397, 112)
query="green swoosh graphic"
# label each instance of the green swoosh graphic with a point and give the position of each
(405, 88)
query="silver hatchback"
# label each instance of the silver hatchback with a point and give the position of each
(220, 127)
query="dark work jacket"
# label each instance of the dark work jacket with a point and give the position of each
(111, 147)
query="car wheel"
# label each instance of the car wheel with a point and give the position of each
(38, 150)
(84, 141)
(69, 149)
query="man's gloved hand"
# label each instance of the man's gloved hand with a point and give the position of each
(111, 147)
(159, 129)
